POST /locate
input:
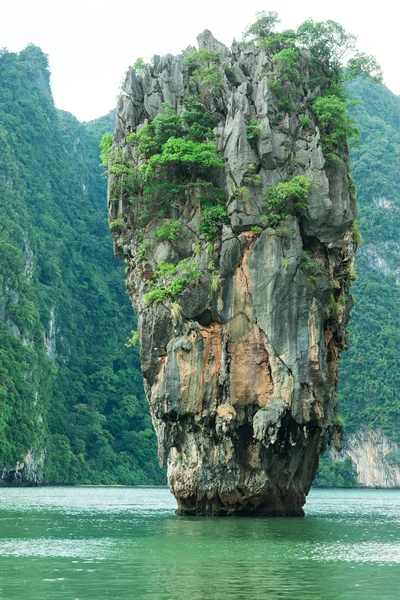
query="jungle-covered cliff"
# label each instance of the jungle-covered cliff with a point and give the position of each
(231, 199)
(369, 382)
(72, 407)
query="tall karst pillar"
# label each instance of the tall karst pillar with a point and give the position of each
(239, 242)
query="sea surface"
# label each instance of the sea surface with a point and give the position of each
(95, 543)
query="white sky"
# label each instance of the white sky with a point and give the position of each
(91, 43)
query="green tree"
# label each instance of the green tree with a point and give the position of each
(263, 26)
(139, 65)
(334, 53)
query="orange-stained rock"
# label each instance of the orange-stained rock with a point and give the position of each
(250, 371)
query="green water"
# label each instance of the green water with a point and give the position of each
(114, 543)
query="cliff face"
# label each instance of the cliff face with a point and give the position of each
(369, 373)
(26, 472)
(69, 410)
(375, 457)
(241, 329)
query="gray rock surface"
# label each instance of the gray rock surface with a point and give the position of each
(375, 457)
(241, 376)
(27, 472)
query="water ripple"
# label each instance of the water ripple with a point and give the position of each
(361, 552)
(123, 543)
(44, 547)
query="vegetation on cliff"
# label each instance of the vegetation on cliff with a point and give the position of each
(369, 372)
(70, 391)
(335, 474)
(369, 391)
(333, 59)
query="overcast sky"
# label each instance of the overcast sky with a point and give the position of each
(91, 43)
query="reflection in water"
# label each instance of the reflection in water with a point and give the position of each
(126, 543)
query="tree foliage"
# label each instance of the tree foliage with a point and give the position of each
(105, 149)
(369, 380)
(139, 65)
(337, 127)
(286, 199)
(204, 68)
(170, 281)
(332, 59)
(369, 371)
(341, 473)
(174, 145)
(80, 395)
(263, 27)
(332, 49)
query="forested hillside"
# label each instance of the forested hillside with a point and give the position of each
(72, 407)
(370, 370)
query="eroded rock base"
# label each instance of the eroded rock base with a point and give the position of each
(262, 465)
(213, 508)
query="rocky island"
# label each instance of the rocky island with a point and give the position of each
(231, 200)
